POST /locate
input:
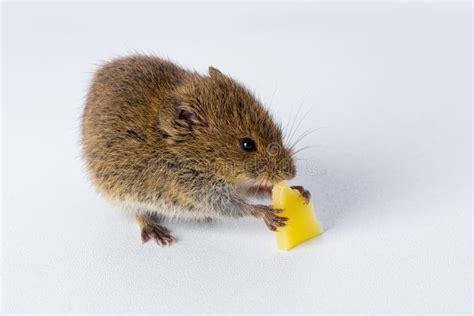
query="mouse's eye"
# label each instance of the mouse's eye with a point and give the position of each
(248, 144)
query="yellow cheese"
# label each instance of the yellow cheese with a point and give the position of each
(302, 223)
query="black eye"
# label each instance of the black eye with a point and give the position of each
(247, 144)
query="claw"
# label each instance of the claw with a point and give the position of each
(151, 229)
(304, 193)
(145, 236)
(272, 220)
(160, 234)
(163, 240)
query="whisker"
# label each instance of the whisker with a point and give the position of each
(273, 94)
(303, 117)
(292, 132)
(302, 136)
(301, 149)
(285, 129)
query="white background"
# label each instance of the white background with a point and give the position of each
(389, 87)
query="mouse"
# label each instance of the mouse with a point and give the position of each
(165, 142)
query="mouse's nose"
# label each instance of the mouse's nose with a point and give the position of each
(284, 169)
(282, 161)
(288, 171)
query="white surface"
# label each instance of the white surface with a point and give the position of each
(389, 85)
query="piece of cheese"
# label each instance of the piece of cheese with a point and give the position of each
(302, 223)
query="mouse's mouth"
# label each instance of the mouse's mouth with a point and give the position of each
(257, 190)
(261, 189)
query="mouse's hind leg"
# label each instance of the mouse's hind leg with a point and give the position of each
(151, 228)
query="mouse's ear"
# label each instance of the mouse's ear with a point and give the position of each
(179, 120)
(214, 72)
(189, 117)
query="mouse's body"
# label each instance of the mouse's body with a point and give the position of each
(166, 142)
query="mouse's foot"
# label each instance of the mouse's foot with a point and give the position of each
(270, 216)
(151, 228)
(304, 193)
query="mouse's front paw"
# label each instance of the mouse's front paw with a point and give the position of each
(273, 221)
(304, 193)
(270, 216)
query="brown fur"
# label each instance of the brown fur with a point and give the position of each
(163, 140)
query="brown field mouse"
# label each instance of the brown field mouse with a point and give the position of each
(165, 142)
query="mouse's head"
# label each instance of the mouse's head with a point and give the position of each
(218, 125)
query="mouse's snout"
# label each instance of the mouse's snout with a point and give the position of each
(289, 170)
(285, 169)
(282, 161)
(278, 165)
(274, 171)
